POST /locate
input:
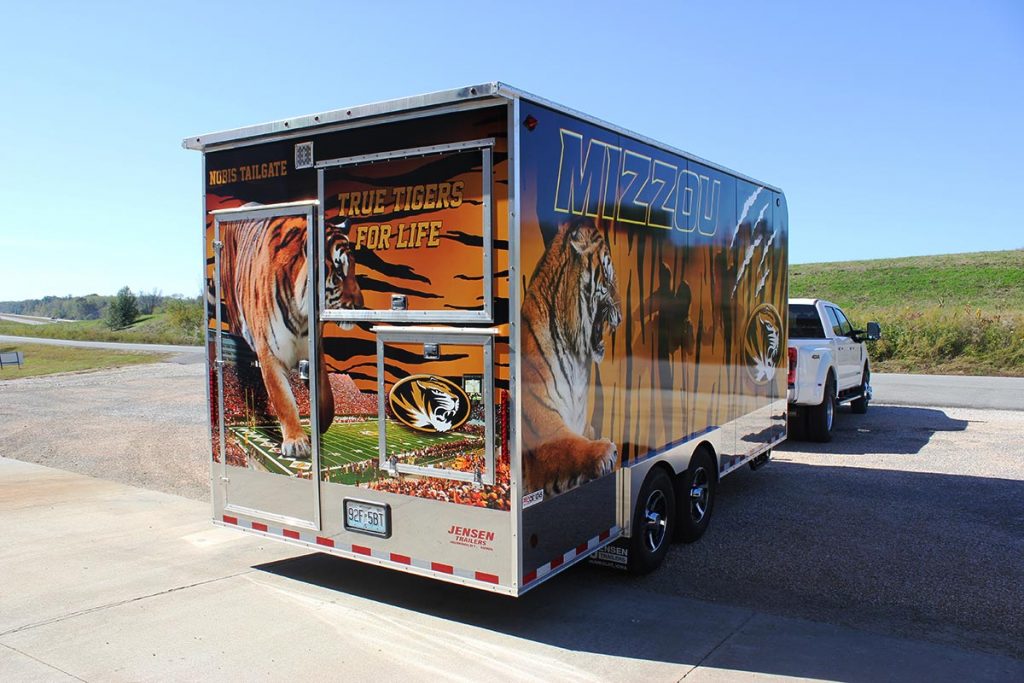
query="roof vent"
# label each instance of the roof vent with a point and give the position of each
(304, 155)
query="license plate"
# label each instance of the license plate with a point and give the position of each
(368, 518)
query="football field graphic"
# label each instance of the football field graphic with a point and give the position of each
(348, 451)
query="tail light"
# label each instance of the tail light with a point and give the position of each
(792, 366)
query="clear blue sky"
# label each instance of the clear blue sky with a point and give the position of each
(894, 128)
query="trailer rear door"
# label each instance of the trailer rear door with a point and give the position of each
(249, 425)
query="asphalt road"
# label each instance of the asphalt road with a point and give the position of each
(24, 319)
(1000, 393)
(194, 353)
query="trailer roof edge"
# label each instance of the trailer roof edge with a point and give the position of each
(493, 89)
(297, 123)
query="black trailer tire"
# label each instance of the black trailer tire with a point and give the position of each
(653, 522)
(695, 497)
(860, 405)
(821, 416)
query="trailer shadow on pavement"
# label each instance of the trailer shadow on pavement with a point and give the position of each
(893, 530)
(891, 554)
(903, 430)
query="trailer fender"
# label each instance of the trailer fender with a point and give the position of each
(825, 364)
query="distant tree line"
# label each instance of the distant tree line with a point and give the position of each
(118, 311)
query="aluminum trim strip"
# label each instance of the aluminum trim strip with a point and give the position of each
(267, 208)
(270, 516)
(389, 560)
(409, 152)
(400, 331)
(515, 325)
(313, 326)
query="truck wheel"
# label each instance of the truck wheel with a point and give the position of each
(821, 416)
(695, 497)
(653, 522)
(860, 405)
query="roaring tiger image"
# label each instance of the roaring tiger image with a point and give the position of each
(264, 287)
(571, 303)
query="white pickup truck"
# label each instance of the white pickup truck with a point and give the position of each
(828, 365)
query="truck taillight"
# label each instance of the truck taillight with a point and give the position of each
(792, 366)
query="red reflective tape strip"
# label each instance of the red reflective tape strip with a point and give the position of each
(531, 577)
(443, 568)
(231, 520)
(259, 526)
(604, 535)
(291, 534)
(401, 559)
(362, 550)
(557, 562)
(489, 578)
(329, 542)
(582, 548)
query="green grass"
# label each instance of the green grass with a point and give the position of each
(148, 329)
(44, 359)
(988, 280)
(948, 314)
(345, 443)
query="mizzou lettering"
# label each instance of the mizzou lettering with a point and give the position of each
(599, 179)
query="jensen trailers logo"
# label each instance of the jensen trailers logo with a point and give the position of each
(763, 343)
(429, 404)
(473, 538)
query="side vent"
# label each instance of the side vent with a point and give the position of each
(304, 155)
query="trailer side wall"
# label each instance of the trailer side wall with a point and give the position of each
(654, 296)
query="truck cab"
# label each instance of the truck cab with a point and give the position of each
(828, 365)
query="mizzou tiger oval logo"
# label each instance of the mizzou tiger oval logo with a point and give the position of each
(763, 343)
(429, 404)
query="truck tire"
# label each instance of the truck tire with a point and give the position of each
(860, 405)
(796, 423)
(821, 416)
(695, 497)
(653, 522)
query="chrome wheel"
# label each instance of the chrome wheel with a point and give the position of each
(655, 520)
(699, 495)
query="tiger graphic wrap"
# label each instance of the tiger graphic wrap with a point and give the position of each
(264, 286)
(571, 303)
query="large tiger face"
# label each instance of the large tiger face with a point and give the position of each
(340, 284)
(599, 296)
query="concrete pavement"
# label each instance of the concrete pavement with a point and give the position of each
(103, 581)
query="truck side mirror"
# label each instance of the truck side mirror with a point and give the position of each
(874, 331)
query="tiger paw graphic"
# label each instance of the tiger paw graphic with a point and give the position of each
(605, 455)
(297, 448)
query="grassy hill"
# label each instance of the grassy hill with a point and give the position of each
(147, 329)
(951, 314)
